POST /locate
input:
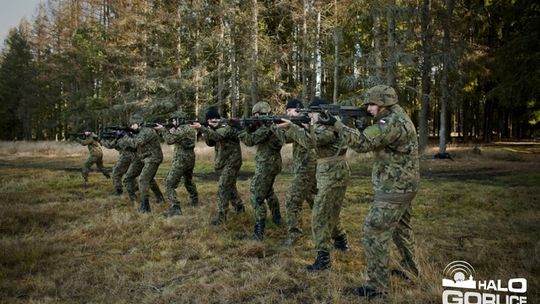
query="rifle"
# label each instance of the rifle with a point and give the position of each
(116, 132)
(360, 115)
(170, 125)
(257, 121)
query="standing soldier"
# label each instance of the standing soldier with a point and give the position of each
(267, 167)
(333, 175)
(95, 154)
(146, 141)
(303, 186)
(395, 181)
(228, 160)
(183, 137)
(125, 157)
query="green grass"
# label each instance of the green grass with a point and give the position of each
(62, 242)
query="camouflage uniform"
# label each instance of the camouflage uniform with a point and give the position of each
(267, 167)
(125, 158)
(134, 170)
(395, 180)
(228, 160)
(332, 175)
(303, 186)
(183, 138)
(150, 156)
(95, 155)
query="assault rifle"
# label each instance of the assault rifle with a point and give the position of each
(116, 132)
(257, 121)
(360, 115)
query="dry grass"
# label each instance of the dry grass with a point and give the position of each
(62, 242)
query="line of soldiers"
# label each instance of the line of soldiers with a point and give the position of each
(320, 175)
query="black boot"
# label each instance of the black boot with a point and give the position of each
(365, 291)
(340, 243)
(322, 262)
(175, 210)
(145, 206)
(258, 231)
(276, 217)
(106, 174)
(159, 198)
(220, 219)
(117, 192)
(194, 201)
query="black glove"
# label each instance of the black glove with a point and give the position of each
(325, 118)
(362, 123)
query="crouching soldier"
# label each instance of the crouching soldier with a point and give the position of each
(183, 137)
(95, 154)
(228, 160)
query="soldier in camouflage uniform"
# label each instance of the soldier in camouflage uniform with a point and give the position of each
(133, 171)
(95, 154)
(333, 175)
(183, 137)
(303, 186)
(228, 160)
(267, 167)
(149, 155)
(125, 158)
(395, 181)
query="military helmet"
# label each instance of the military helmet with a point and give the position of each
(136, 119)
(177, 114)
(212, 113)
(261, 107)
(381, 95)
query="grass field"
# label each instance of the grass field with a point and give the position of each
(62, 242)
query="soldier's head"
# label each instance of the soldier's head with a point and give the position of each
(261, 108)
(380, 97)
(212, 116)
(315, 105)
(135, 121)
(176, 116)
(292, 106)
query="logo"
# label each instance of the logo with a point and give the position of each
(461, 275)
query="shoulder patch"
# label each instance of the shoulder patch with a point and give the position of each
(372, 132)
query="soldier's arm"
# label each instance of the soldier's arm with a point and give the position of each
(372, 138)
(86, 141)
(251, 139)
(166, 135)
(300, 135)
(140, 139)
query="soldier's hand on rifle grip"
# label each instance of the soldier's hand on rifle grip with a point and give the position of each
(284, 124)
(325, 118)
(361, 123)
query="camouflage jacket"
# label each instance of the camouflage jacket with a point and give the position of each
(114, 143)
(324, 140)
(304, 159)
(393, 140)
(183, 138)
(94, 148)
(147, 143)
(268, 146)
(226, 144)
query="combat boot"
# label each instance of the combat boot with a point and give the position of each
(145, 206)
(276, 217)
(117, 192)
(340, 243)
(175, 210)
(106, 174)
(322, 262)
(258, 231)
(220, 219)
(194, 201)
(238, 209)
(365, 291)
(159, 198)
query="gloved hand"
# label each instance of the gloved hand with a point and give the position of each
(325, 118)
(362, 123)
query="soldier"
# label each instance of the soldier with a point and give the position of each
(395, 181)
(149, 155)
(332, 178)
(121, 166)
(267, 167)
(183, 137)
(95, 154)
(228, 160)
(303, 186)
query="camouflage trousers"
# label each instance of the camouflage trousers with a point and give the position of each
(146, 172)
(90, 161)
(262, 190)
(388, 218)
(303, 187)
(181, 168)
(227, 191)
(120, 168)
(332, 178)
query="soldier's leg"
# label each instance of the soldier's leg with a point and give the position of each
(338, 233)
(190, 186)
(101, 168)
(293, 206)
(130, 179)
(259, 190)
(310, 181)
(171, 182)
(404, 239)
(147, 175)
(223, 195)
(230, 182)
(157, 191)
(320, 227)
(377, 232)
(119, 169)
(86, 167)
(272, 199)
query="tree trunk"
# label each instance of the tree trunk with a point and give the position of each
(255, 53)
(377, 50)
(337, 39)
(444, 79)
(391, 44)
(426, 77)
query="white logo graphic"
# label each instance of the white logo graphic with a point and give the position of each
(461, 273)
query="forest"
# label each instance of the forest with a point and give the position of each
(465, 70)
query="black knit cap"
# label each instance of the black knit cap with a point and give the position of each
(316, 102)
(294, 104)
(212, 113)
